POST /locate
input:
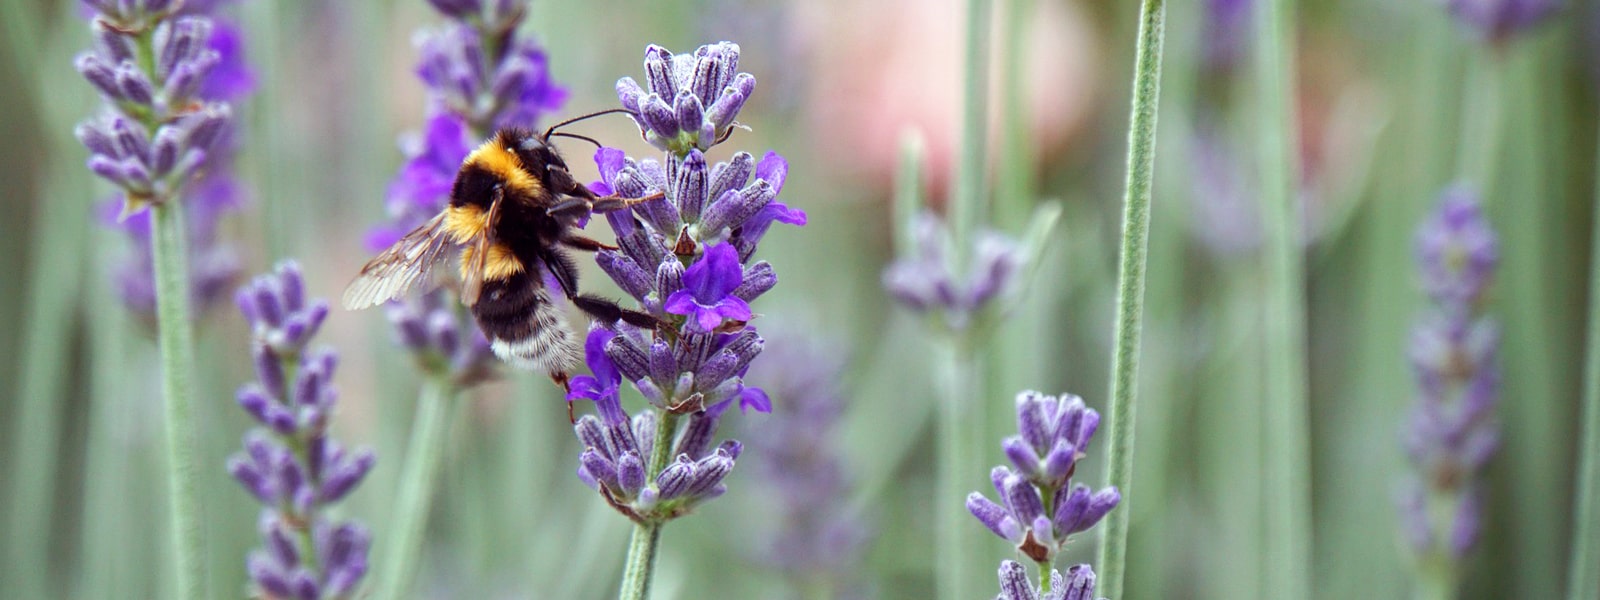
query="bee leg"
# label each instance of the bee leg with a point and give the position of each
(608, 311)
(578, 241)
(614, 202)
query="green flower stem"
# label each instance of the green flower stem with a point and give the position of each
(177, 364)
(965, 209)
(1014, 195)
(1480, 120)
(962, 425)
(1130, 288)
(641, 561)
(1288, 427)
(907, 193)
(1585, 566)
(1437, 579)
(435, 409)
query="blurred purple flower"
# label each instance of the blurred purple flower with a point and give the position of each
(927, 283)
(289, 463)
(1225, 38)
(1497, 21)
(1452, 433)
(443, 342)
(813, 534)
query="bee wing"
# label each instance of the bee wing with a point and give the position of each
(402, 268)
(478, 255)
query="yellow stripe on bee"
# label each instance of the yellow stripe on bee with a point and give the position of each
(465, 223)
(502, 264)
(504, 164)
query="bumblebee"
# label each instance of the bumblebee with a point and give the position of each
(513, 214)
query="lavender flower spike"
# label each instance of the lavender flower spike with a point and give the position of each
(1040, 507)
(1078, 584)
(687, 258)
(290, 464)
(1452, 433)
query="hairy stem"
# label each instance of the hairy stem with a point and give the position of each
(1130, 287)
(641, 560)
(176, 338)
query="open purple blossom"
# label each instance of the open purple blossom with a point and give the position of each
(1078, 584)
(290, 464)
(707, 294)
(686, 258)
(1039, 506)
(481, 71)
(927, 282)
(1499, 20)
(1452, 432)
(167, 133)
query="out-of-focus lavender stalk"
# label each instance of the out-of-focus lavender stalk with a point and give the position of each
(1452, 432)
(813, 538)
(158, 132)
(687, 260)
(289, 463)
(481, 71)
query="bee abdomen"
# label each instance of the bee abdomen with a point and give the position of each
(524, 327)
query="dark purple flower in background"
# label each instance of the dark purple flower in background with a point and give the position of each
(1452, 432)
(168, 133)
(1497, 21)
(445, 343)
(927, 282)
(289, 463)
(811, 533)
(687, 259)
(1039, 505)
(1225, 38)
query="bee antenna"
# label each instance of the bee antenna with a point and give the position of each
(574, 136)
(553, 128)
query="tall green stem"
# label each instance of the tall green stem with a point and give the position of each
(1287, 424)
(965, 209)
(1584, 579)
(641, 561)
(1480, 120)
(1130, 287)
(435, 408)
(962, 426)
(177, 364)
